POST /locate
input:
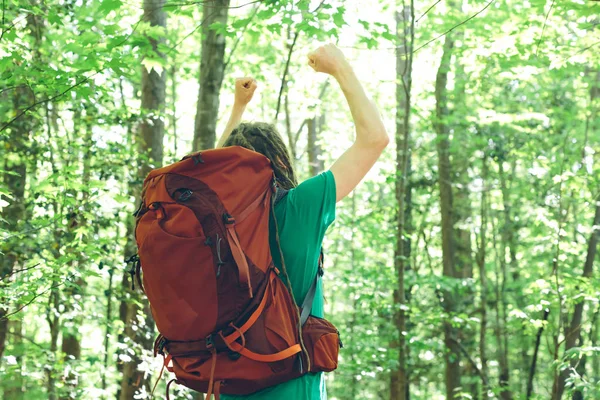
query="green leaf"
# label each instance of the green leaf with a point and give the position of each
(153, 64)
(109, 5)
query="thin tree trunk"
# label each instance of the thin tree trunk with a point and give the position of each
(595, 370)
(462, 213)
(139, 336)
(288, 128)
(399, 381)
(504, 378)
(173, 77)
(509, 235)
(536, 349)
(452, 353)
(70, 326)
(212, 68)
(315, 163)
(481, 259)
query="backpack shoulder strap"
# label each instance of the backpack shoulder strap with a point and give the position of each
(310, 296)
(280, 194)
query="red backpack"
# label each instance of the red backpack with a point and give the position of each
(227, 321)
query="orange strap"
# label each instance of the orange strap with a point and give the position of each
(238, 332)
(261, 199)
(240, 258)
(167, 359)
(217, 390)
(282, 355)
(212, 373)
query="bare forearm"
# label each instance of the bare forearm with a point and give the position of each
(370, 130)
(234, 120)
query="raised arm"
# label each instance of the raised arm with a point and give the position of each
(371, 136)
(244, 90)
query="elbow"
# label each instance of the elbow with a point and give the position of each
(373, 140)
(380, 140)
(385, 140)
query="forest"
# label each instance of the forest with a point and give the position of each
(465, 265)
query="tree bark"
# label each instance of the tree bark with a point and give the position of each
(452, 354)
(399, 379)
(212, 68)
(138, 336)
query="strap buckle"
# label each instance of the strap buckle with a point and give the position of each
(210, 342)
(228, 219)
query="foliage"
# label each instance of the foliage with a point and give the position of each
(70, 89)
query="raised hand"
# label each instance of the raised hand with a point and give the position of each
(328, 59)
(244, 90)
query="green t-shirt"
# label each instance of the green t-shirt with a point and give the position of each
(303, 216)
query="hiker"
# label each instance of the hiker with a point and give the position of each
(308, 209)
(230, 249)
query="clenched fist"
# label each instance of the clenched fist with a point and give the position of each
(244, 90)
(327, 59)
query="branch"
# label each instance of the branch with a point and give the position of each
(429, 9)
(287, 64)
(285, 72)
(5, 317)
(582, 50)
(239, 38)
(537, 47)
(30, 340)
(49, 99)
(456, 26)
(473, 363)
(17, 271)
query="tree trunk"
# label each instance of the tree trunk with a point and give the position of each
(399, 380)
(481, 258)
(452, 354)
(502, 337)
(18, 142)
(315, 163)
(462, 213)
(138, 336)
(72, 320)
(212, 68)
(14, 213)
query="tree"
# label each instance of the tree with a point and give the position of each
(399, 385)
(150, 143)
(452, 354)
(211, 73)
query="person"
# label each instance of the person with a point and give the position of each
(308, 209)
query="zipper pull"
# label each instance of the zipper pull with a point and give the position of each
(340, 339)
